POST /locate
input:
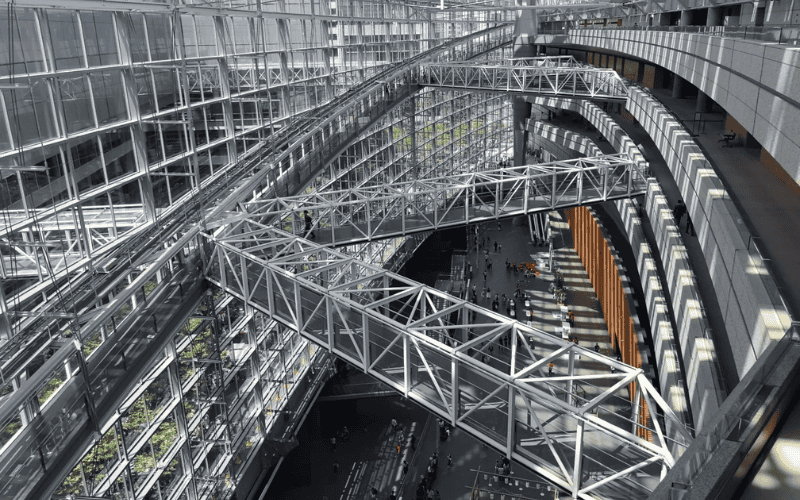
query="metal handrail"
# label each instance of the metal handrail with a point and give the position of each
(781, 34)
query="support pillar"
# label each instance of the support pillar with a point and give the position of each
(577, 471)
(703, 102)
(5, 324)
(640, 72)
(677, 84)
(525, 33)
(714, 17)
(659, 78)
(522, 111)
(686, 18)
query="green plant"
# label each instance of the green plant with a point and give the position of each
(51, 387)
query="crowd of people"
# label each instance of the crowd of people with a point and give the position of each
(425, 490)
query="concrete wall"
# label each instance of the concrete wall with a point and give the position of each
(564, 142)
(757, 83)
(665, 343)
(694, 342)
(754, 314)
(705, 395)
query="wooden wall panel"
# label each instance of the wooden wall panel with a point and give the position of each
(604, 274)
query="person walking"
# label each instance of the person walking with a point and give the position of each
(550, 369)
(412, 440)
(571, 318)
(678, 212)
(431, 474)
(449, 461)
(421, 491)
(335, 467)
(405, 468)
(307, 220)
(596, 347)
(495, 246)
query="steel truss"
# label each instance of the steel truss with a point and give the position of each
(540, 75)
(54, 243)
(577, 428)
(285, 158)
(373, 212)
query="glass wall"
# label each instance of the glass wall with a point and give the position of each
(139, 383)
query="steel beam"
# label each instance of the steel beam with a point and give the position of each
(351, 216)
(373, 316)
(539, 76)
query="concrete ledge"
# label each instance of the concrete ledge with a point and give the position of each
(722, 453)
(755, 317)
(699, 356)
(757, 83)
(703, 378)
(567, 140)
(670, 375)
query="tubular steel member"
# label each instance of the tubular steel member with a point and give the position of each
(391, 328)
(544, 76)
(374, 212)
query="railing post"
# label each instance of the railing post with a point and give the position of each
(454, 387)
(369, 219)
(510, 438)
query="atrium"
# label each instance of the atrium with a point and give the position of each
(209, 207)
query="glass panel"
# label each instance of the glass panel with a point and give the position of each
(159, 33)
(77, 103)
(88, 171)
(99, 38)
(118, 153)
(138, 38)
(31, 114)
(189, 36)
(27, 54)
(109, 104)
(206, 36)
(67, 48)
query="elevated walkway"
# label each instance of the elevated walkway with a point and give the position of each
(375, 212)
(388, 326)
(544, 76)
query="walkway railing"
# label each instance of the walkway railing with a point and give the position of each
(390, 327)
(374, 212)
(540, 76)
(789, 34)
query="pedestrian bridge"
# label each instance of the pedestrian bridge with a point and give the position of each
(544, 76)
(596, 427)
(374, 212)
